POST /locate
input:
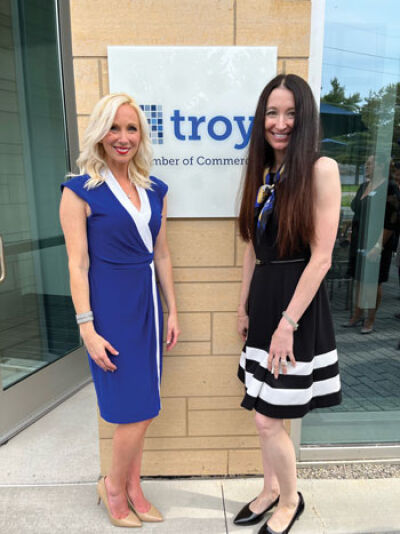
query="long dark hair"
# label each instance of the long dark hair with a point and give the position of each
(294, 199)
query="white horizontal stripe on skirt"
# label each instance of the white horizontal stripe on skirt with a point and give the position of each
(290, 397)
(301, 369)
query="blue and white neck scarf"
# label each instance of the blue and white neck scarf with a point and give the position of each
(265, 200)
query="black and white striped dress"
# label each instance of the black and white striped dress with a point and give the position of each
(314, 382)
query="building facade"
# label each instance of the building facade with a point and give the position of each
(53, 75)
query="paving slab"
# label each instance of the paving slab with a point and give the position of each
(62, 446)
(369, 506)
(237, 492)
(356, 506)
(189, 506)
(48, 477)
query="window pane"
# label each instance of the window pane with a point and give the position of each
(36, 315)
(360, 111)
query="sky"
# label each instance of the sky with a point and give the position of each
(361, 44)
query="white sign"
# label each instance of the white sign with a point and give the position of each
(200, 102)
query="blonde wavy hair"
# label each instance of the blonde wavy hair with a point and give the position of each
(91, 160)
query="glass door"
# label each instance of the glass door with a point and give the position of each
(360, 111)
(37, 327)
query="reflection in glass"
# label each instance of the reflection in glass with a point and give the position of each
(360, 112)
(372, 241)
(36, 316)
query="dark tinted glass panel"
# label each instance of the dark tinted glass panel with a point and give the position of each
(36, 316)
(360, 110)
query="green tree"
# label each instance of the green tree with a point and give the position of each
(378, 111)
(349, 152)
(337, 96)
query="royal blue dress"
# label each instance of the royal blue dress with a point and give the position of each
(124, 296)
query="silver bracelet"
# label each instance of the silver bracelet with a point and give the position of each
(84, 317)
(290, 321)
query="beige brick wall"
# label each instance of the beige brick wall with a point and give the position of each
(201, 429)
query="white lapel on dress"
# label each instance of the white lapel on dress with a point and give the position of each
(142, 217)
(142, 220)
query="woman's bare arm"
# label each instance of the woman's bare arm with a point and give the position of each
(162, 261)
(249, 262)
(73, 213)
(327, 199)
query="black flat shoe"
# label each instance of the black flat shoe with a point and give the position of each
(265, 529)
(247, 517)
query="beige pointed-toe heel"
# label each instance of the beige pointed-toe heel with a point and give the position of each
(131, 520)
(152, 516)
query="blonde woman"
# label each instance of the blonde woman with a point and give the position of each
(114, 220)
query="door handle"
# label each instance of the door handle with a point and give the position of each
(3, 272)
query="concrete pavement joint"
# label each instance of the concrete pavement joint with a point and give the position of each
(319, 517)
(314, 509)
(48, 484)
(223, 506)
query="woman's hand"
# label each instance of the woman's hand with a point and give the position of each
(172, 331)
(243, 325)
(280, 349)
(96, 347)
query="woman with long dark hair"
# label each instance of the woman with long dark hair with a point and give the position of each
(289, 218)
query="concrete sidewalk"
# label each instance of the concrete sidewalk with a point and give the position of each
(48, 479)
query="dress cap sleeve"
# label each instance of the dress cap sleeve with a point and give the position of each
(159, 186)
(77, 185)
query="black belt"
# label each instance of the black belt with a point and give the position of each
(264, 262)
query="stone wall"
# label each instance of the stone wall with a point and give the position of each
(202, 430)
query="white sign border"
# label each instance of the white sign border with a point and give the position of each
(191, 197)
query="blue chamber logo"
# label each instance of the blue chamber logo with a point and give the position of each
(154, 116)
